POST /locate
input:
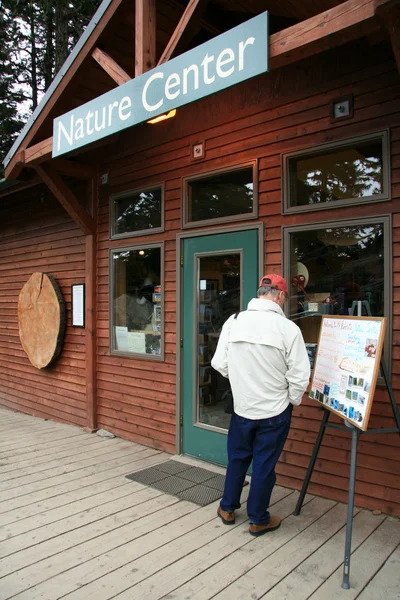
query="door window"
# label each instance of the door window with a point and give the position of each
(218, 297)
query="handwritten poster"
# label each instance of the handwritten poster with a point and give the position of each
(347, 364)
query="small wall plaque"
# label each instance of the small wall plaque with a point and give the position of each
(78, 304)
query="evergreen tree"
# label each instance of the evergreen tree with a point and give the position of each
(11, 122)
(36, 37)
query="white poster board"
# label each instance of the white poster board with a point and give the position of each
(347, 365)
(78, 304)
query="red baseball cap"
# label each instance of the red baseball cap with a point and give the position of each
(274, 281)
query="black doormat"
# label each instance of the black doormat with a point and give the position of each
(183, 481)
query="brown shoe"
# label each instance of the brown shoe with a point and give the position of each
(272, 524)
(227, 517)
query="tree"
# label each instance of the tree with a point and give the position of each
(36, 37)
(11, 121)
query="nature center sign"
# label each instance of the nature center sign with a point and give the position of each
(228, 59)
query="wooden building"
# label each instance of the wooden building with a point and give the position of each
(169, 225)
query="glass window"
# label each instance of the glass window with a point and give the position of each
(137, 315)
(337, 270)
(137, 211)
(221, 196)
(345, 172)
(219, 280)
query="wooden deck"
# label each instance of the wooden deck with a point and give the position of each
(72, 525)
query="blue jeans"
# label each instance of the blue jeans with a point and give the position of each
(262, 441)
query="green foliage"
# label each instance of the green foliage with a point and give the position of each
(36, 37)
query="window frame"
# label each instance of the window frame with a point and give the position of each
(287, 183)
(186, 224)
(113, 352)
(386, 221)
(130, 192)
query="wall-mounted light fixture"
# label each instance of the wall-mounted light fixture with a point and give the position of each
(197, 150)
(160, 118)
(341, 108)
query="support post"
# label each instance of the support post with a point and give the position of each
(90, 316)
(145, 36)
(312, 463)
(350, 506)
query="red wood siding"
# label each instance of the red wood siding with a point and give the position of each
(280, 112)
(38, 235)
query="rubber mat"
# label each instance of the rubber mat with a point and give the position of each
(183, 481)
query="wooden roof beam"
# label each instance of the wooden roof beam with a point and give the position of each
(336, 26)
(145, 36)
(390, 16)
(39, 152)
(113, 69)
(66, 198)
(192, 12)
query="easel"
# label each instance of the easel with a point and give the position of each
(355, 434)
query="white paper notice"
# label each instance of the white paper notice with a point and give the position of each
(121, 335)
(137, 342)
(78, 310)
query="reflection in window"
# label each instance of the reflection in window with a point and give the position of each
(345, 172)
(335, 270)
(137, 211)
(222, 195)
(136, 301)
(218, 298)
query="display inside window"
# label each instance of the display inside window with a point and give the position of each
(356, 170)
(335, 271)
(218, 298)
(137, 306)
(137, 211)
(222, 195)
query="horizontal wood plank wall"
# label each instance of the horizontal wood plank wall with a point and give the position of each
(283, 111)
(38, 235)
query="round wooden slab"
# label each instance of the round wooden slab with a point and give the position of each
(41, 318)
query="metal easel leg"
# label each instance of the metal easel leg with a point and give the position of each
(312, 463)
(395, 408)
(350, 507)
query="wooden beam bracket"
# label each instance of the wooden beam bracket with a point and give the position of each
(194, 10)
(66, 198)
(113, 69)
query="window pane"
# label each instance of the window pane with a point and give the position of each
(138, 211)
(354, 171)
(137, 301)
(332, 271)
(222, 195)
(218, 298)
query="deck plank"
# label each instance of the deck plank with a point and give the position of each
(73, 526)
(188, 537)
(310, 574)
(365, 563)
(386, 583)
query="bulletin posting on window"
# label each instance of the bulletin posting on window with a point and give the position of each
(347, 366)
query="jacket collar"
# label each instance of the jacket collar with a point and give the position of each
(265, 305)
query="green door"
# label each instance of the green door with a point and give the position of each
(220, 276)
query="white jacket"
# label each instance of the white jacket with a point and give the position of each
(264, 356)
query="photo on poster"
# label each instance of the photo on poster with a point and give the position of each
(343, 384)
(370, 347)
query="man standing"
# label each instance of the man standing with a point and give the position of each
(265, 358)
